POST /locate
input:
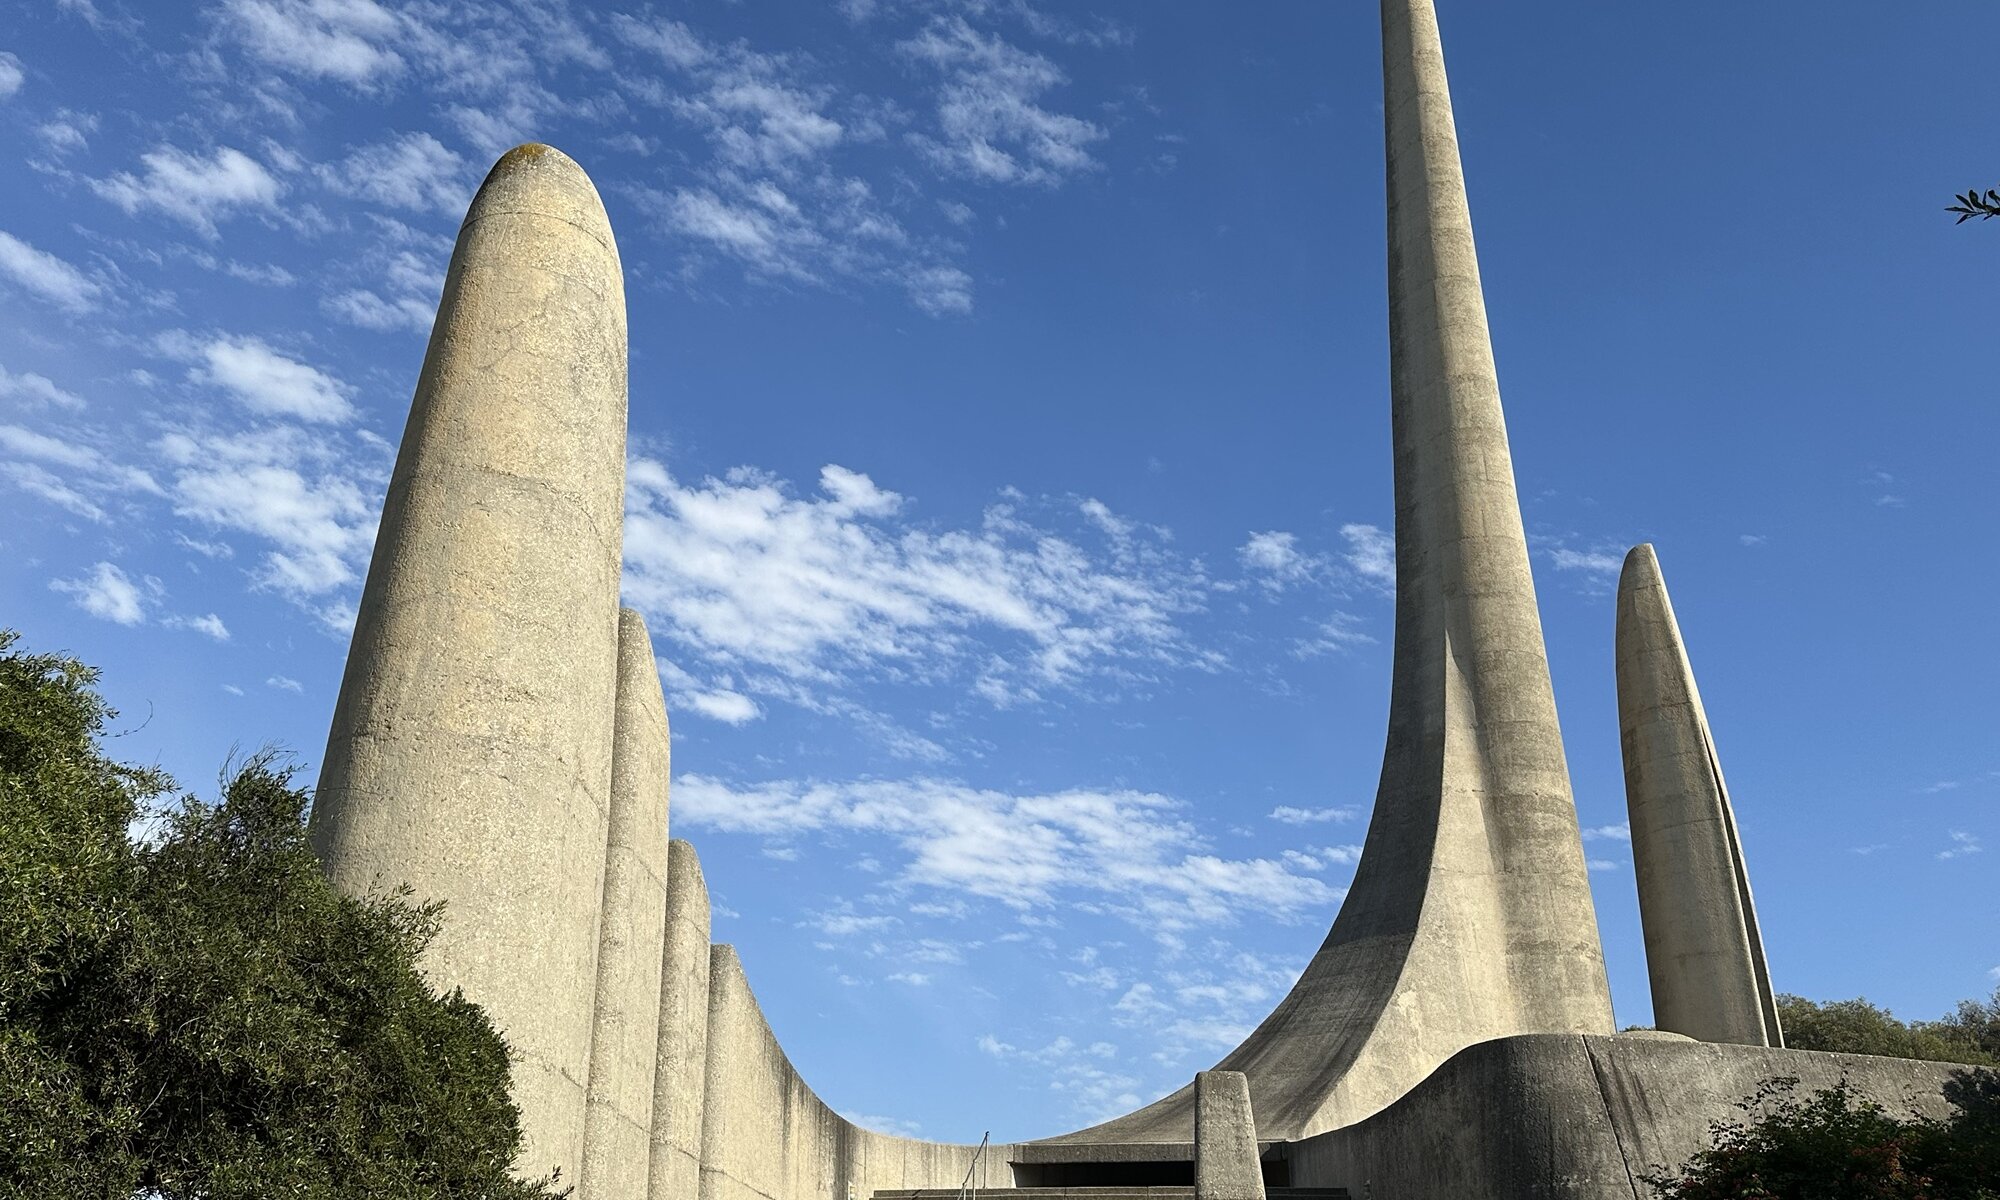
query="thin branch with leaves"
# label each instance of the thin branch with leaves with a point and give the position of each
(1972, 204)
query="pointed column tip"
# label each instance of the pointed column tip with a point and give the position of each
(538, 179)
(1642, 567)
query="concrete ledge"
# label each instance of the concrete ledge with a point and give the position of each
(1576, 1117)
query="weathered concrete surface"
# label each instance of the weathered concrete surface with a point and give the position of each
(470, 750)
(1470, 916)
(681, 1041)
(1565, 1117)
(766, 1136)
(1226, 1165)
(618, 1123)
(1703, 949)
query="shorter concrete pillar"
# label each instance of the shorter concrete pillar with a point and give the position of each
(681, 1068)
(618, 1118)
(1225, 1139)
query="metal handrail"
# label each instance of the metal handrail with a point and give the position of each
(967, 1189)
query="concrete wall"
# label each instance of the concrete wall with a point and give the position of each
(766, 1136)
(1568, 1117)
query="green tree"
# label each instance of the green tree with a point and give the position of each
(196, 1013)
(1838, 1145)
(1858, 1027)
(1975, 1023)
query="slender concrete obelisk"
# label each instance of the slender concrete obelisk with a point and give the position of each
(1470, 916)
(617, 1132)
(1703, 951)
(470, 752)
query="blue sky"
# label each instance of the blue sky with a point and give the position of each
(1010, 475)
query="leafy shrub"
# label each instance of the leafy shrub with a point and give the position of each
(197, 1013)
(1838, 1145)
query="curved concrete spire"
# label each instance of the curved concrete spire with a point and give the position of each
(1470, 916)
(1703, 951)
(470, 751)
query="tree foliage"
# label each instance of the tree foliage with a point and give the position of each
(1969, 1035)
(1838, 1145)
(1972, 204)
(195, 1012)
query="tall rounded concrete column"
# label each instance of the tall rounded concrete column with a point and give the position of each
(617, 1130)
(681, 1062)
(1703, 951)
(470, 751)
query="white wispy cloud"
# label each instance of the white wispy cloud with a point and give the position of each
(1621, 832)
(108, 593)
(1594, 562)
(1286, 814)
(1274, 560)
(45, 276)
(306, 496)
(1132, 852)
(11, 74)
(67, 471)
(1962, 845)
(1083, 1075)
(36, 390)
(991, 125)
(352, 41)
(893, 1126)
(410, 171)
(804, 594)
(193, 190)
(1371, 554)
(269, 383)
(208, 624)
(671, 41)
(67, 131)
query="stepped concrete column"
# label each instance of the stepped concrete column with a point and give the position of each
(681, 1057)
(617, 1132)
(470, 752)
(1226, 1164)
(1703, 951)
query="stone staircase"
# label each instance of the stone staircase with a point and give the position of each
(1107, 1193)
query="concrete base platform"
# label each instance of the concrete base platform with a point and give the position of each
(1577, 1117)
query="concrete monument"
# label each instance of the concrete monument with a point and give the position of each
(1470, 915)
(500, 743)
(1703, 951)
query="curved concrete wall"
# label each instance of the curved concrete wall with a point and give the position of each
(1566, 1117)
(766, 1136)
